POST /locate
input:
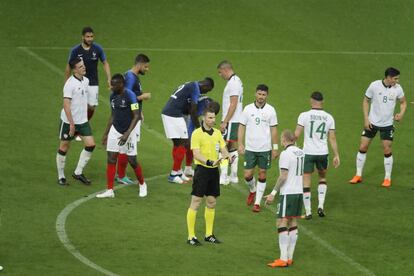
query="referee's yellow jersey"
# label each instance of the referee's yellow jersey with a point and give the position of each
(208, 142)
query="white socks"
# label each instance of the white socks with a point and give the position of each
(322, 188)
(293, 237)
(307, 200)
(252, 185)
(60, 164)
(388, 166)
(83, 160)
(360, 161)
(261, 187)
(234, 158)
(283, 243)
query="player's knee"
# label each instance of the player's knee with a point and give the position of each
(262, 174)
(90, 148)
(387, 155)
(248, 176)
(195, 203)
(211, 204)
(132, 160)
(112, 157)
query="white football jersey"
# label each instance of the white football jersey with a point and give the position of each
(292, 159)
(316, 124)
(234, 87)
(77, 91)
(258, 122)
(383, 100)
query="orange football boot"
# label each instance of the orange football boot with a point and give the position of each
(356, 179)
(290, 262)
(386, 183)
(278, 263)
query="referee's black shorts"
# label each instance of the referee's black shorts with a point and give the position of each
(206, 182)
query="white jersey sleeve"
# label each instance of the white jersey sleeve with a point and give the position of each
(400, 93)
(244, 117)
(332, 125)
(284, 161)
(369, 93)
(301, 121)
(68, 90)
(235, 89)
(273, 118)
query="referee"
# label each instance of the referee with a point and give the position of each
(206, 143)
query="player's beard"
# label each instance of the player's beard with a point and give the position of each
(86, 43)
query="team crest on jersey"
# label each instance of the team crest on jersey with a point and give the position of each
(123, 103)
(93, 55)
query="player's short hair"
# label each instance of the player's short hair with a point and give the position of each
(74, 61)
(288, 135)
(317, 96)
(215, 106)
(141, 58)
(262, 87)
(209, 82)
(118, 77)
(209, 109)
(225, 64)
(86, 29)
(391, 72)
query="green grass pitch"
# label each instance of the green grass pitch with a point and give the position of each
(295, 47)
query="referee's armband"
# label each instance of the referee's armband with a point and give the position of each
(134, 106)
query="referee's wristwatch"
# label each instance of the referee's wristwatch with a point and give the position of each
(209, 163)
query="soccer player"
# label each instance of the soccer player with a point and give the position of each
(383, 95)
(318, 126)
(174, 122)
(206, 143)
(259, 122)
(232, 108)
(289, 208)
(90, 52)
(74, 119)
(203, 102)
(119, 135)
(133, 83)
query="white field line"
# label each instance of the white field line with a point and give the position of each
(63, 237)
(241, 51)
(70, 247)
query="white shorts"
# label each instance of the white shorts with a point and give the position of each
(137, 130)
(93, 93)
(130, 147)
(174, 127)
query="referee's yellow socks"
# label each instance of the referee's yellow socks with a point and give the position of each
(191, 219)
(209, 217)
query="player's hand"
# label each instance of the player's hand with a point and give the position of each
(241, 149)
(223, 127)
(336, 162)
(123, 139)
(398, 117)
(71, 130)
(145, 96)
(104, 139)
(142, 117)
(269, 198)
(275, 154)
(367, 124)
(215, 163)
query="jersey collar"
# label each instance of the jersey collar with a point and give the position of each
(317, 108)
(383, 83)
(259, 107)
(288, 146)
(209, 132)
(231, 76)
(77, 78)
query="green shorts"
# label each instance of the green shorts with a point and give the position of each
(82, 130)
(386, 133)
(290, 206)
(230, 133)
(261, 159)
(320, 161)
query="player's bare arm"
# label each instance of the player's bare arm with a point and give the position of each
(403, 106)
(67, 72)
(125, 135)
(144, 97)
(365, 109)
(224, 154)
(67, 102)
(108, 127)
(240, 141)
(193, 114)
(334, 146)
(298, 131)
(107, 70)
(279, 183)
(230, 113)
(275, 142)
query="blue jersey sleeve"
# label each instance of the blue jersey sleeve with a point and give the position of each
(129, 80)
(131, 96)
(195, 93)
(101, 53)
(73, 53)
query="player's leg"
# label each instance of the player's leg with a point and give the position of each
(308, 168)
(84, 157)
(233, 153)
(188, 170)
(61, 161)
(224, 165)
(264, 163)
(282, 229)
(250, 162)
(387, 138)
(93, 96)
(366, 138)
(212, 192)
(322, 188)
(293, 237)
